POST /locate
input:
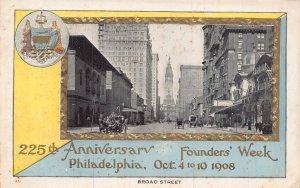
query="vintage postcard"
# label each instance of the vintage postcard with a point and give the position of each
(157, 98)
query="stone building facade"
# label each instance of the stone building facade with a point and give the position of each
(190, 89)
(94, 85)
(230, 50)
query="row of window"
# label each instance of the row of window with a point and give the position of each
(105, 37)
(260, 46)
(126, 58)
(124, 43)
(259, 35)
(110, 32)
(118, 48)
(123, 26)
(135, 74)
(124, 53)
(133, 64)
(132, 69)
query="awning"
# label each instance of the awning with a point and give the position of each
(212, 115)
(129, 110)
(229, 109)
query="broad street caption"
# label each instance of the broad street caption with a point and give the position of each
(120, 157)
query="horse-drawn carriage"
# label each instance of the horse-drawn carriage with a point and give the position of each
(192, 121)
(179, 124)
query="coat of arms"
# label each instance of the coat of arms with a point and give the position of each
(42, 39)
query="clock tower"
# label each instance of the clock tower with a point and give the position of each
(169, 104)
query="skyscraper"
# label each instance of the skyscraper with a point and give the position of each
(128, 46)
(154, 84)
(190, 89)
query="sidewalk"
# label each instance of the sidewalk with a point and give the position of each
(240, 130)
(94, 128)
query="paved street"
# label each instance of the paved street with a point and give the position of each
(170, 128)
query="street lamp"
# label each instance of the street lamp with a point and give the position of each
(93, 114)
(72, 108)
(122, 108)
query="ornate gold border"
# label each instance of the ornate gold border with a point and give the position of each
(176, 136)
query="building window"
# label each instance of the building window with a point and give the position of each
(94, 82)
(102, 90)
(80, 77)
(239, 56)
(87, 80)
(260, 35)
(240, 35)
(260, 46)
(98, 86)
(240, 45)
(239, 65)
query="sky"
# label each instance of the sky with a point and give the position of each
(183, 43)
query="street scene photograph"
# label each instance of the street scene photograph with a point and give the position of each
(169, 78)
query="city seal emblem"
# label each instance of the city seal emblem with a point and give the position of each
(41, 39)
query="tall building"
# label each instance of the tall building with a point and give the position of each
(190, 89)
(154, 83)
(158, 112)
(230, 50)
(128, 46)
(168, 106)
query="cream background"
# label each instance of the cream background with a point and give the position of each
(7, 8)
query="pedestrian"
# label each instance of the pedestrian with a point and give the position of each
(88, 119)
(100, 121)
(125, 124)
(260, 126)
(249, 125)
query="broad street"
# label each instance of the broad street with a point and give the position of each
(165, 127)
(170, 128)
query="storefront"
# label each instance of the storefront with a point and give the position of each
(230, 116)
(135, 117)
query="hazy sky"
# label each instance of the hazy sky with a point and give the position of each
(183, 43)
